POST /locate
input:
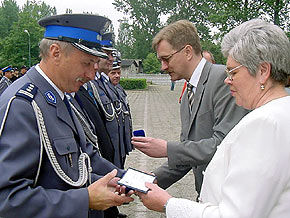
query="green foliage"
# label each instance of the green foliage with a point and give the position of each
(213, 19)
(15, 45)
(9, 12)
(144, 24)
(215, 49)
(151, 64)
(128, 83)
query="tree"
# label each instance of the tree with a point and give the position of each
(15, 46)
(196, 11)
(231, 13)
(9, 12)
(124, 43)
(145, 17)
(151, 64)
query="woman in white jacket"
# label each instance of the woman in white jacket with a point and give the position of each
(249, 175)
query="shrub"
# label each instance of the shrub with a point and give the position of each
(129, 83)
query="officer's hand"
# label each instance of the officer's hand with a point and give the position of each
(101, 197)
(151, 146)
(113, 185)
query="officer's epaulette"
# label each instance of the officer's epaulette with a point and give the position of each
(28, 91)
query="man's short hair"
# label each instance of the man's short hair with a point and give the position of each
(178, 34)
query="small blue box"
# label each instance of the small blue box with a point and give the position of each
(140, 133)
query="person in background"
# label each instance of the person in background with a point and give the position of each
(48, 168)
(115, 73)
(115, 76)
(6, 79)
(22, 71)
(208, 56)
(15, 74)
(249, 174)
(99, 103)
(208, 111)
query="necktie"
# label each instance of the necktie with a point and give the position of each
(65, 100)
(190, 95)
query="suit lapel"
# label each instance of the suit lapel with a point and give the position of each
(199, 93)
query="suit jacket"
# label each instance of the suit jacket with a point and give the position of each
(214, 114)
(20, 155)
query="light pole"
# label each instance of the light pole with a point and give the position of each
(29, 55)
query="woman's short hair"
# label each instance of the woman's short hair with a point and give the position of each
(178, 34)
(257, 41)
(45, 44)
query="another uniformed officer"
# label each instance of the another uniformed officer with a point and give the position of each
(115, 76)
(100, 110)
(47, 167)
(102, 97)
(6, 79)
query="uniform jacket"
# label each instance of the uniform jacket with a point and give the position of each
(4, 83)
(112, 126)
(98, 119)
(127, 119)
(214, 114)
(20, 155)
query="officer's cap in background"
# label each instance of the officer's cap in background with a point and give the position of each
(83, 31)
(116, 65)
(7, 69)
(108, 42)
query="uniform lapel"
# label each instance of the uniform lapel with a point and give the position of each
(52, 98)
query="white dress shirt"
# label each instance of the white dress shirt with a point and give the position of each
(249, 175)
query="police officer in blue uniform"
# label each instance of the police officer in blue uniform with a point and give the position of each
(115, 76)
(6, 79)
(100, 108)
(105, 100)
(48, 168)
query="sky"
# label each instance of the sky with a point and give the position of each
(100, 7)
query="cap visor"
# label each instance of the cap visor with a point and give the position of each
(108, 48)
(91, 51)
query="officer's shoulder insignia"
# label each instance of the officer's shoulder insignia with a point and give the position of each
(50, 97)
(28, 91)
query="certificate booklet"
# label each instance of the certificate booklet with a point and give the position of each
(135, 179)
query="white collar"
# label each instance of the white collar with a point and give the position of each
(61, 94)
(98, 76)
(197, 73)
(106, 76)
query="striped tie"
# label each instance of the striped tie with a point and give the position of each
(190, 95)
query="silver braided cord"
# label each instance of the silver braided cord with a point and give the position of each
(2, 127)
(84, 173)
(109, 117)
(93, 139)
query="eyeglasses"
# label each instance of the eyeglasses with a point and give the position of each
(168, 57)
(230, 73)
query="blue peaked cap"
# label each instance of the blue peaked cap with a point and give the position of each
(108, 42)
(83, 31)
(6, 69)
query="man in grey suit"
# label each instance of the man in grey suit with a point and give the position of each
(208, 111)
(48, 168)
